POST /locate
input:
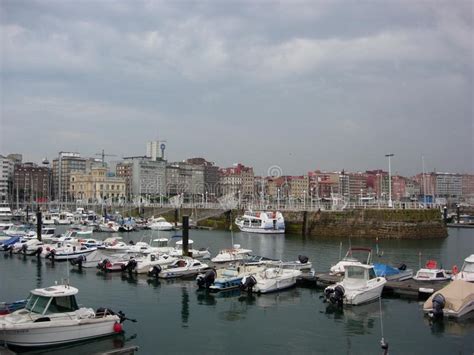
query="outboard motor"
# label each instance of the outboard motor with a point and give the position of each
(337, 297)
(438, 305)
(131, 242)
(247, 283)
(103, 264)
(103, 312)
(402, 267)
(303, 259)
(207, 279)
(78, 261)
(51, 254)
(38, 251)
(130, 266)
(154, 271)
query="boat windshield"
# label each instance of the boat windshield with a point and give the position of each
(468, 267)
(38, 304)
(355, 273)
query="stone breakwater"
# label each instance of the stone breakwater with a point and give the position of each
(363, 223)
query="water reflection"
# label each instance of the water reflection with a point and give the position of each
(357, 320)
(459, 327)
(95, 346)
(184, 307)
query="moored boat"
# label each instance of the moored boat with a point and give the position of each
(360, 285)
(266, 222)
(236, 253)
(455, 300)
(52, 316)
(431, 272)
(467, 270)
(351, 259)
(182, 267)
(270, 280)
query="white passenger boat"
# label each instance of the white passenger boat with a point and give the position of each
(270, 280)
(180, 268)
(360, 285)
(351, 259)
(467, 270)
(144, 264)
(229, 255)
(159, 224)
(52, 317)
(266, 222)
(431, 272)
(455, 300)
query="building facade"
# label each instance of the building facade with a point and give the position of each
(32, 182)
(63, 166)
(96, 186)
(6, 178)
(239, 181)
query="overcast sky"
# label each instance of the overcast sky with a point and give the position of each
(326, 85)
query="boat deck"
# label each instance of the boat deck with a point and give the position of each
(408, 288)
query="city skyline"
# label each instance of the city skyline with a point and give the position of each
(335, 85)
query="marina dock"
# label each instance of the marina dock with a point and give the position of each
(407, 289)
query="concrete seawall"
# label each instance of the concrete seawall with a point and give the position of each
(363, 223)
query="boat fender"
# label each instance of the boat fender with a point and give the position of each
(455, 270)
(303, 259)
(118, 327)
(438, 303)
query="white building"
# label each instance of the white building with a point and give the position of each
(153, 150)
(6, 176)
(148, 177)
(448, 185)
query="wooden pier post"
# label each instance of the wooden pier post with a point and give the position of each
(185, 236)
(304, 230)
(39, 224)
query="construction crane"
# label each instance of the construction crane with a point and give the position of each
(103, 155)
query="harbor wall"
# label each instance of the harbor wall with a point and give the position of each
(363, 223)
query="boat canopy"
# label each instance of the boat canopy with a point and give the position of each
(385, 270)
(457, 294)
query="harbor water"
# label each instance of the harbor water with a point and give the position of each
(174, 317)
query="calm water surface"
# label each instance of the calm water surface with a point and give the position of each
(174, 317)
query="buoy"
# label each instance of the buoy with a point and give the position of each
(117, 327)
(455, 270)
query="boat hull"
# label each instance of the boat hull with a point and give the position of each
(261, 230)
(366, 296)
(44, 334)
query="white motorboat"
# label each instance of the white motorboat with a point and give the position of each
(229, 255)
(64, 218)
(431, 272)
(202, 253)
(5, 213)
(5, 226)
(179, 268)
(52, 317)
(93, 259)
(455, 300)
(47, 219)
(144, 264)
(29, 247)
(467, 270)
(70, 251)
(302, 264)
(350, 259)
(109, 227)
(270, 280)
(160, 224)
(227, 278)
(18, 231)
(91, 242)
(360, 285)
(261, 222)
(393, 274)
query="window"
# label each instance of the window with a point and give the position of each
(63, 304)
(355, 272)
(372, 274)
(37, 304)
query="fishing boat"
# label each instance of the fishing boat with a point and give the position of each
(431, 272)
(159, 224)
(265, 222)
(467, 270)
(180, 268)
(236, 253)
(393, 274)
(360, 285)
(227, 278)
(52, 317)
(453, 301)
(144, 264)
(350, 259)
(270, 280)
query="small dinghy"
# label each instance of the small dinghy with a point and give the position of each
(234, 254)
(454, 301)
(431, 272)
(52, 317)
(393, 274)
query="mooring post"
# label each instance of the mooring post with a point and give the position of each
(186, 236)
(176, 217)
(445, 214)
(39, 224)
(27, 214)
(458, 213)
(305, 224)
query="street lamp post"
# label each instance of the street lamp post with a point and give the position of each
(278, 198)
(304, 199)
(389, 179)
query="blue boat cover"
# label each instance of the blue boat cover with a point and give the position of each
(385, 270)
